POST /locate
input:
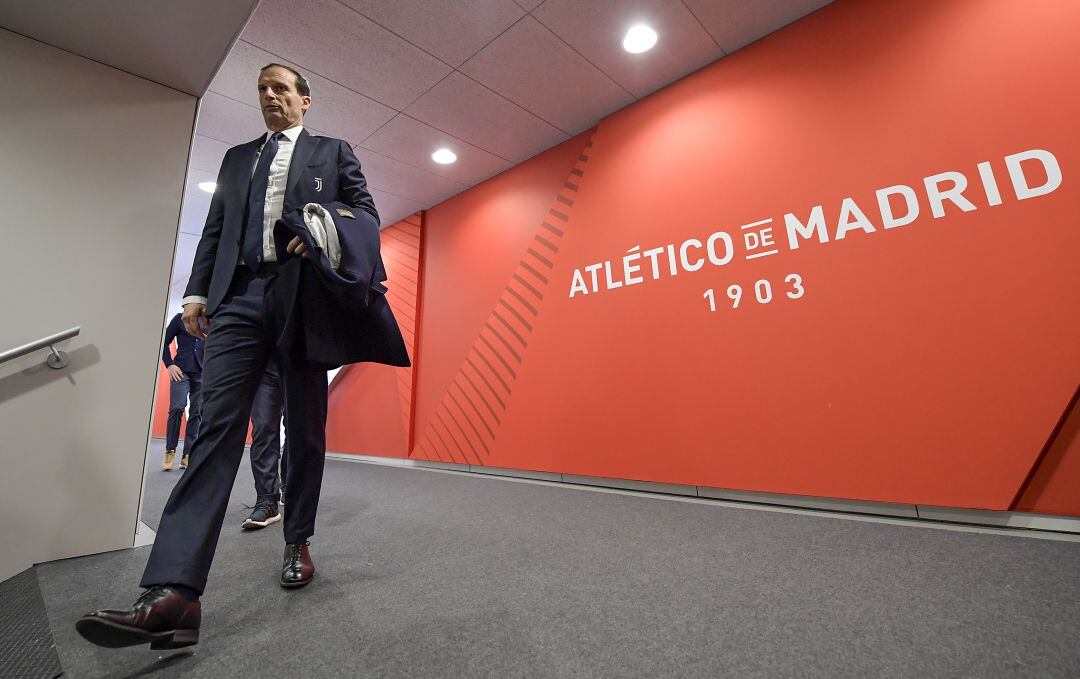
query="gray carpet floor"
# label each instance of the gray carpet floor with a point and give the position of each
(431, 574)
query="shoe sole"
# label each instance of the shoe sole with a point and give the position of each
(296, 585)
(114, 635)
(256, 525)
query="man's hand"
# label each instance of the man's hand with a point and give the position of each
(176, 373)
(296, 247)
(195, 320)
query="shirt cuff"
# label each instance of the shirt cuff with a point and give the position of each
(193, 299)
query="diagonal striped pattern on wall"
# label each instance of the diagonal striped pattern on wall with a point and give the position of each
(401, 255)
(464, 425)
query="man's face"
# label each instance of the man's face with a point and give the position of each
(282, 106)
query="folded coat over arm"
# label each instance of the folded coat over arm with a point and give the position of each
(335, 315)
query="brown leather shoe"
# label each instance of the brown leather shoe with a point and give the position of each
(166, 464)
(161, 617)
(297, 569)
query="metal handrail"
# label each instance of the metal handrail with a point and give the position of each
(57, 359)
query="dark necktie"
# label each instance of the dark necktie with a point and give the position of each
(260, 180)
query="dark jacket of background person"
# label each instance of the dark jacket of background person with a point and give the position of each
(189, 349)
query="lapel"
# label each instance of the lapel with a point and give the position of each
(305, 146)
(244, 166)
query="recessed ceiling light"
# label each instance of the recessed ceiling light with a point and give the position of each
(640, 38)
(444, 156)
(209, 187)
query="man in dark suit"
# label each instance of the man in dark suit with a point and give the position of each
(185, 380)
(231, 293)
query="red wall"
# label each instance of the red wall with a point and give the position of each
(468, 270)
(928, 363)
(370, 406)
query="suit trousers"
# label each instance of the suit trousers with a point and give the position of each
(179, 393)
(239, 346)
(266, 415)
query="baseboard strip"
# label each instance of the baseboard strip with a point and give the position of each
(970, 517)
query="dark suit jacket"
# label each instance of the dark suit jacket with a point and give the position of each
(332, 317)
(323, 170)
(189, 349)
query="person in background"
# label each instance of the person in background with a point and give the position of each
(185, 385)
(266, 414)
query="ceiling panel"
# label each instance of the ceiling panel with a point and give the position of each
(737, 23)
(524, 83)
(186, 245)
(207, 153)
(412, 142)
(393, 208)
(176, 289)
(185, 251)
(596, 30)
(335, 41)
(395, 177)
(452, 30)
(470, 111)
(176, 295)
(196, 202)
(228, 121)
(193, 216)
(178, 44)
(336, 110)
(531, 66)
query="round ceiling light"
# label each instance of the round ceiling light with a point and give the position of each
(444, 156)
(640, 38)
(209, 187)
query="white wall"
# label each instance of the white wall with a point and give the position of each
(92, 164)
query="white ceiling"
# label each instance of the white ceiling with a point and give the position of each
(497, 81)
